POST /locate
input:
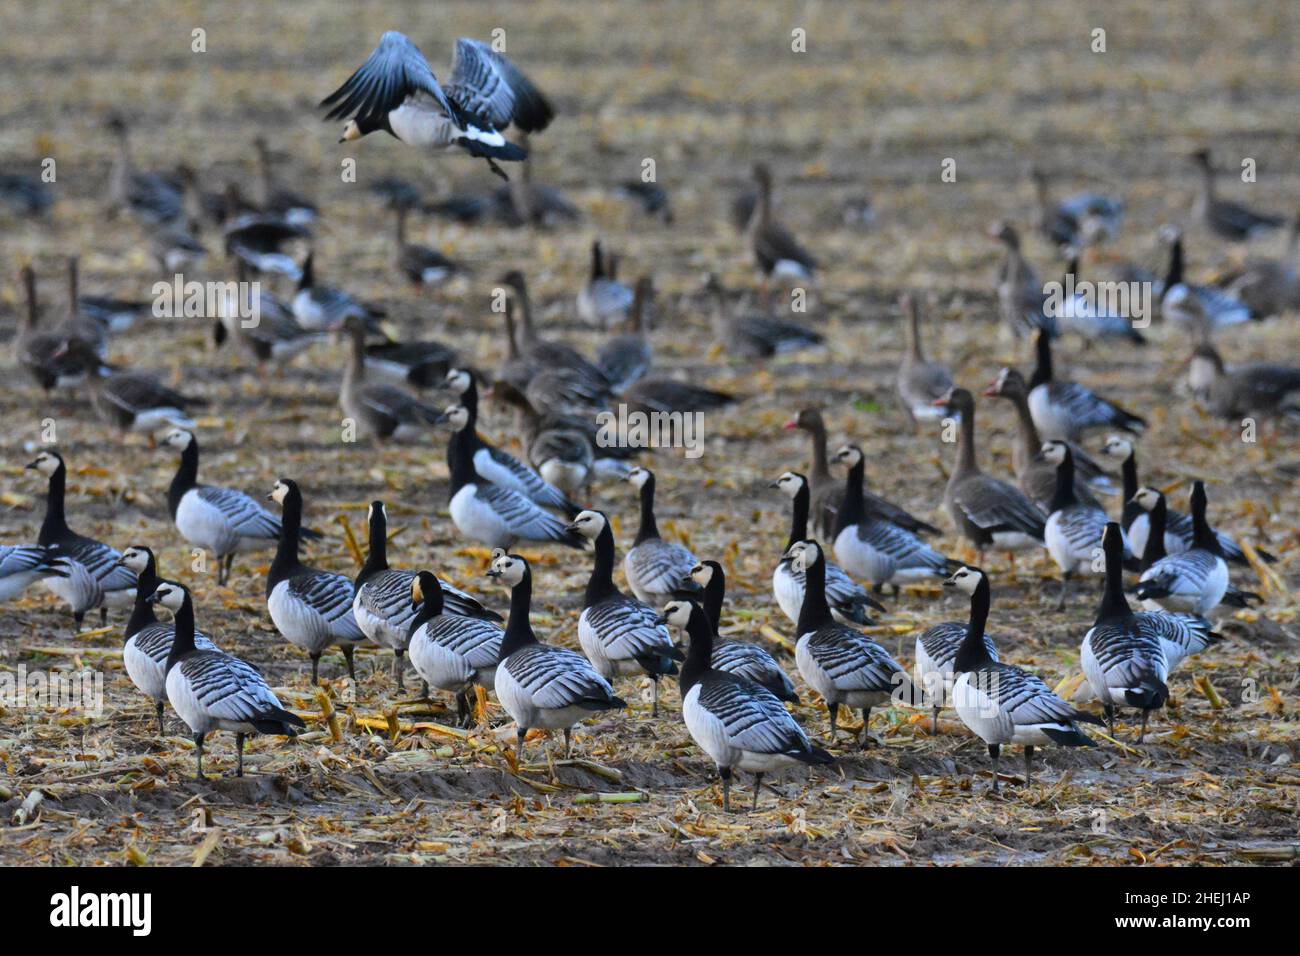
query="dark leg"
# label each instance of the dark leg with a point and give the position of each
(1145, 715)
(833, 709)
(725, 773)
(198, 754)
(1029, 765)
(230, 563)
(239, 750)
(161, 727)
(424, 690)
(519, 745)
(399, 670)
(103, 615)
(77, 620)
(568, 740)
(654, 707)
(994, 750)
(462, 709)
(867, 740)
(1110, 719)
(935, 724)
(348, 651)
(315, 669)
(758, 786)
(1065, 585)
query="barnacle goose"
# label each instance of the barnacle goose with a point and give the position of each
(1001, 703)
(1255, 388)
(540, 685)
(260, 243)
(22, 565)
(1073, 527)
(396, 91)
(148, 640)
(1081, 219)
(844, 665)
(1123, 655)
(129, 400)
(320, 308)
(849, 600)
(94, 578)
(1067, 409)
(311, 608)
(739, 723)
(1087, 316)
(491, 463)
(484, 511)
(618, 633)
(450, 651)
(873, 547)
(211, 690)
(1199, 310)
(380, 410)
(603, 301)
(936, 650)
(221, 520)
(1194, 581)
(419, 364)
(738, 657)
(656, 569)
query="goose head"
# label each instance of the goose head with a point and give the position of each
(509, 569)
(455, 418)
(702, 573)
(1146, 498)
(676, 613)
(790, 483)
(965, 579)
(1009, 384)
(638, 476)
(1117, 447)
(804, 554)
(178, 438)
(848, 455)
(169, 594)
(808, 419)
(589, 524)
(282, 490)
(47, 463)
(1002, 231)
(458, 380)
(136, 557)
(1054, 451)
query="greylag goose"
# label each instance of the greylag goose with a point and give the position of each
(421, 265)
(651, 197)
(1198, 310)
(920, 382)
(603, 301)
(215, 691)
(1252, 389)
(395, 91)
(1122, 655)
(265, 244)
(1083, 219)
(775, 248)
(378, 410)
(1021, 297)
(150, 198)
(542, 686)
(275, 199)
(740, 724)
(755, 335)
(1074, 526)
(656, 569)
(545, 354)
(1064, 409)
(1225, 218)
(1000, 703)
(176, 247)
(418, 364)
(22, 565)
(617, 633)
(451, 652)
(135, 401)
(42, 352)
(1270, 286)
(989, 512)
(738, 657)
(667, 396)
(624, 359)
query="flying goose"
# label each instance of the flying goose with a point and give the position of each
(148, 640)
(776, 251)
(1064, 409)
(451, 652)
(378, 410)
(656, 569)
(421, 265)
(1021, 298)
(94, 578)
(1194, 581)
(848, 600)
(1241, 390)
(624, 359)
(491, 463)
(844, 665)
(22, 565)
(1074, 526)
(215, 691)
(485, 511)
(320, 308)
(1198, 310)
(740, 724)
(1122, 655)
(275, 199)
(603, 301)
(1225, 218)
(872, 547)
(737, 657)
(1000, 703)
(827, 491)
(617, 633)
(311, 608)
(989, 512)
(542, 686)
(396, 91)
(920, 382)
(1083, 219)
(150, 198)
(755, 335)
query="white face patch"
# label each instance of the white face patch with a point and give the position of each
(1054, 451)
(457, 417)
(638, 477)
(279, 492)
(1117, 447)
(806, 556)
(966, 580)
(46, 464)
(702, 574)
(171, 596)
(508, 570)
(789, 483)
(134, 559)
(458, 380)
(589, 523)
(678, 613)
(178, 438)
(848, 456)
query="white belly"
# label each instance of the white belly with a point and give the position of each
(146, 674)
(79, 590)
(202, 524)
(477, 520)
(789, 594)
(300, 624)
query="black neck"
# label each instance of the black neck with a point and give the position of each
(649, 529)
(700, 654)
(1203, 535)
(1113, 602)
(601, 583)
(1155, 546)
(183, 641)
(853, 510)
(430, 607)
(308, 278)
(1043, 367)
(519, 630)
(815, 612)
(1130, 473)
(799, 518)
(1175, 274)
(55, 524)
(1063, 495)
(460, 458)
(714, 592)
(377, 552)
(469, 398)
(186, 477)
(286, 553)
(972, 653)
(142, 613)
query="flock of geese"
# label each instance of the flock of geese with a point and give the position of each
(845, 543)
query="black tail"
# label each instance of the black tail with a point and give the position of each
(1068, 738)
(281, 722)
(506, 152)
(1127, 421)
(813, 755)
(1234, 597)
(856, 610)
(1151, 695)
(311, 534)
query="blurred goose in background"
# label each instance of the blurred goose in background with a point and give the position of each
(669, 395)
(1198, 310)
(1251, 389)
(1084, 219)
(1086, 315)
(42, 351)
(754, 335)
(417, 364)
(380, 411)
(624, 359)
(137, 401)
(22, 565)
(776, 250)
(738, 657)
(1073, 526)
(25, 195)
(176, 247)
(538, 354)
(420, 264)
(1064, 409)
(273, 336)
(322, 309)
(603, 301)
(396, 91)
(274, 198)
(656, 569)
(451, 652)
(920, 382)
(265, 244)
(1270, 286)
(651, 197)
(1227, 219)
(150, 198)
(1021, 298)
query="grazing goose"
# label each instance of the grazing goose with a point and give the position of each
(148, 640)
(42, 352)
(420, 264)
(484, 511)
(94, 578)
(150, 198)
(25, 195)
(1086, 314)
(1194, 581)
(920, 382)
(221, 520)
(1035, 474)
(989, 512)
(275, 199)
(215, 691)
(849, 601)
(656, 569)
(936, 652)
(22, 565)
(842, 664)
(668, 396)
(827, 491)
(1084, 219)
(1073, 526)
(625, 359)
(451, 652)
(542, 686)
(1065, 410)
(132, 401)
(1122, 655)
(776, 250)
(417, 364)
(114, 316)
(396, 91)
(739, 723)
(651, 197)
(378, 410)
(540, 354)
(1197, 310)
(311, 608)
(177, 247)
(1225, 218)
(755, 336)
(872, 547)
(1270, 286)
(1021, 299)
(322, 309)
(491, 463)
(738, 657)
(1000, 703)
(618, 634)
(262, 244)
(568, 391)
(604, 301)
(1258, 388)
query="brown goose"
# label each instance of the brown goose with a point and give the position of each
(548, 354)
(920, 382)
(1259, 387)
(828, 491)
(1270, 286)
(420, 264)
(988, 511)
(41, 351)
(625, 359)
(1083, 219)
(754, 335)
(1225, 218)
(150, 198)
(130, 400)
(274, 199)
(378, 410)
(775, 248)
(1021, 298)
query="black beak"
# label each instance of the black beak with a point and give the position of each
(156, 597)
(31, 464)
(493, 573)
(661, 620)
(416, 605)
